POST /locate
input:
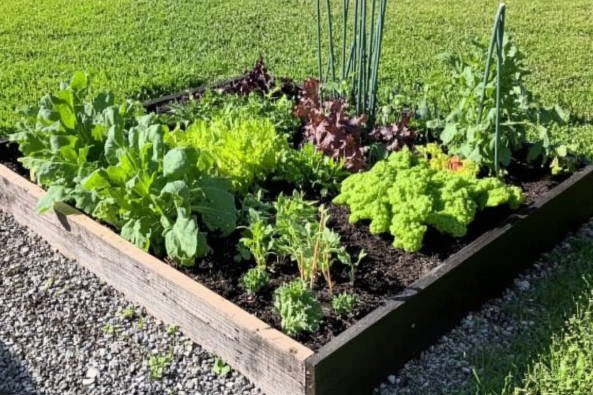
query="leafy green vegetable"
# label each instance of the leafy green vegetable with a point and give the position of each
(522, 117)
(161, 199)
(255, 279)
(405, 194)
(62, 140)
(344, 303)
(213, 104)
(240, 148)
(307, 168)
(298, 308)
(154, 191)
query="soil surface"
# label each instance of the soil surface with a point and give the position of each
(382, 274)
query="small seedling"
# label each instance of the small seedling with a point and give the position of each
(172, 329)
(128, 312)
(50, 281)
(141, 323)
(343, 304)
(108, 328)
(220, 368)
(157, 364)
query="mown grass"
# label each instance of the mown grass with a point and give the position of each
(145, 48)
(554, 355)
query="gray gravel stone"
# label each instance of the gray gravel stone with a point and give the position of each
(62, 332)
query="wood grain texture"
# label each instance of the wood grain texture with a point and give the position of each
(271, 360)
(361, 357)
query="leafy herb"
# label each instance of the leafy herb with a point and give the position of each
(255, 279)
(298, 308)
(344, 303)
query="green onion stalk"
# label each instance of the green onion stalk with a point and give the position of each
(360, 59)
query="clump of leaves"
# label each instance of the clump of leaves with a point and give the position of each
(241, 148)
(307, 169)
(331, 128)
(255, 82)
(404, 194)
(297, 306)
(255, 279)
(159, 198)
(522, 117)
(294, 229)
(258, 80)
(215, 104)
(397, 135)
(344, 303)
(220, 368)
(158, 364)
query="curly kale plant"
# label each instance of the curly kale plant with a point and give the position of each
(344, 303)
(404, 194)
(297, 306)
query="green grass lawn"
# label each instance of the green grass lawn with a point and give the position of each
(145, 48)
(555, 355)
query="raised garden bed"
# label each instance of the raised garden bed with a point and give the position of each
(409, 299)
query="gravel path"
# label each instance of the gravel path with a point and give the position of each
(62, 331)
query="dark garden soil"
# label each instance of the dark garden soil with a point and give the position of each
(382, 274)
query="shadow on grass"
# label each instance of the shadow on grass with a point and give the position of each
(14, 377)
(541, 316)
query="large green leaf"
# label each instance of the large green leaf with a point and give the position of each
(138, 231)
(176, 164)
(216, 205)
(182, 239)
(53, 195)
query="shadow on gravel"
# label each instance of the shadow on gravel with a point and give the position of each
(14, 377)
(542, 316)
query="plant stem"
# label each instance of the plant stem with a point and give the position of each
(319, 40)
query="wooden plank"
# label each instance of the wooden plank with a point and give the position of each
(271, 360)
(152, 105)
(361, 357)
